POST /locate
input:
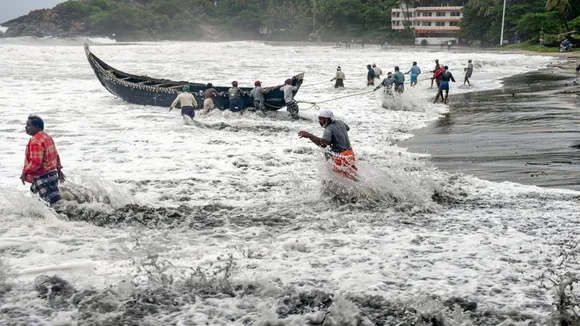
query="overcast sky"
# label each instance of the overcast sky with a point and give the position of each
(10, 9)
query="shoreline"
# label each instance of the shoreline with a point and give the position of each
(523, 132)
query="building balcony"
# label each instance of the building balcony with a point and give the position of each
(437, 19)
(435, 29)
(454, 8)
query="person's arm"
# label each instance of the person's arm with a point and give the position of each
(194, 102)
(61, 176)
(451, 75)
(316, 140)
(418, 72)
(174, 103)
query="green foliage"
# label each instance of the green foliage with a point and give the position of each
(534, 23)
(75, 9)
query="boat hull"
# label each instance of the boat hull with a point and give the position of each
(145, 90)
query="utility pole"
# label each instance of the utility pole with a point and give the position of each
(313, 15)
(502, 23)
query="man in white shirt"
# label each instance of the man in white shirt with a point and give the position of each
(186, 101)
(378, 71)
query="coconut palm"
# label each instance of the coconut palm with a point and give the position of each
(561, 5)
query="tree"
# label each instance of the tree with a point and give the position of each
(562, 5)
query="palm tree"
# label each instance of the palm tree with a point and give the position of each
(561, 5)
(484, 7)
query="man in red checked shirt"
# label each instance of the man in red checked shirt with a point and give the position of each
(42, 165)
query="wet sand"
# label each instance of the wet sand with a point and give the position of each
(527, 132)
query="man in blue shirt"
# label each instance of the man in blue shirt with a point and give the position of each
(415, 71)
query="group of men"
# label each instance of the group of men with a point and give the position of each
(188, 103)
(43, 168)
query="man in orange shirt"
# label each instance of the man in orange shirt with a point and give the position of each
(42, 166)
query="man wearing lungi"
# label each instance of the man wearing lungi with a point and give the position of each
(42, 166)
(336, 137)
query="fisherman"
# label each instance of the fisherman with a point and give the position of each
(437, 77)
(187, 102)
(446, 76)
(578, 70)
(42, 166)
(291, 105)
(388, 84)
(335, 136)
(234, 93)
(258, 94)
(339, 77)
(378, 71)
(415, 71)
(399, 79)
(210, 94)
(468, 72)
(437, 66)
(448, 45)
(370, 75)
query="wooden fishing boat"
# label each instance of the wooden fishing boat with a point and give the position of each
(145, 90)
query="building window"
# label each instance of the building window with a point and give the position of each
(426, 23)
(440, 24)
(455, 14)
(440, 14)
(453, 24)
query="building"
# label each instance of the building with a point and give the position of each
(432, 24)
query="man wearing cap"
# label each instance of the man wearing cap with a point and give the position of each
(339, 77)
(258, 94)
(234, 95)
(291, 105)
(335, 136)
(446, 76)
(187, 102)
(209, 96)
(42, 166)
(468, 72)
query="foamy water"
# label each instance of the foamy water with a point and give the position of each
(227, 218)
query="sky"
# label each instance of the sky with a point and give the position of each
(10, 9)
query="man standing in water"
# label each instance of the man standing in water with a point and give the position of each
(415, 71)
(468, 72)
(234, 93)
(446, 76)
(339, 77)
(388, 84)
(399, 79)
(209, 96)
(370, 75)
(258, 94)
(437, 67)
(335, 136)
(291, 105)
(378, 71)
(42, 166)
(187, 102)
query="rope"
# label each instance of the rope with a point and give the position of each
(324, 82)
(317, 106)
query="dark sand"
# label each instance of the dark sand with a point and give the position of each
(527, 132)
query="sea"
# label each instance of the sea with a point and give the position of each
(235, 220)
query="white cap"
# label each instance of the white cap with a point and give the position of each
(326, 113)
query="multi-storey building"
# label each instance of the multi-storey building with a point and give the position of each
(435, 25)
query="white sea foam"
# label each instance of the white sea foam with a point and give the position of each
(247, 187)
